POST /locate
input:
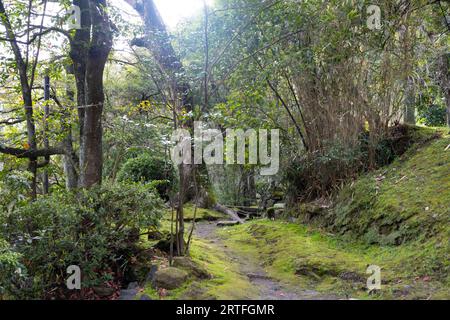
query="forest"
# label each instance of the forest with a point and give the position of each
(224, 150)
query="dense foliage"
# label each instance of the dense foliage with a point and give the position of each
(147, 169)
(87, 116)
(95, 230)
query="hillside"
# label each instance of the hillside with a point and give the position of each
(400, 215)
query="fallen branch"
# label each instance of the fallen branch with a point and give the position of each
(222, 209)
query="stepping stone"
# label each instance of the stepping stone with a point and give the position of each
(258, 276)
(227, 223)
(128, 294)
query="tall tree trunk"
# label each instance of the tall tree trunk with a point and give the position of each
(410, 103)
(45, 180)
(71, 162)
(79, 47)
(157, 41)
(90, 48)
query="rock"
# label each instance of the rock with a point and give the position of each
(253, 276)
(278, 195)
(133, 285)
(351, 276)
(374, 292)
(170, 278)
(145, 297)
(278, 206)
(227, 223)
(309, 272)
(103, 291)
(191, 267)
(151, 275)
(129, 294)
(196, 292)
(310, 211)
(276, 211)
(403, 292)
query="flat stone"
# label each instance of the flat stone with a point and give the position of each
(133, 285)
(151, 275)
(129, 294)
(104, 291)
(258, 276)
(170, 278)
(191, 267)
(227, 223)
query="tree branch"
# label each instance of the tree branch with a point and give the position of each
(31, 154)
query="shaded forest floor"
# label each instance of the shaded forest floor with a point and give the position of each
(396, 218)
(277, 260)
(251, 268)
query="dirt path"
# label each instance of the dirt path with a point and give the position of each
(267, 288)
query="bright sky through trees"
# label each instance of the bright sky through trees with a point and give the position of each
(173, 11)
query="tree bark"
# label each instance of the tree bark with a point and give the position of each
(71, 161)
(79, 46)
(89, 51)
(410, 103)
(157, 41)
(233, 215)
(45, 180)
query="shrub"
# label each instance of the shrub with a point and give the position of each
(433, 115)
(14, 188)
(312, 175)
(94, 229)
(11, 270)
(148, 169)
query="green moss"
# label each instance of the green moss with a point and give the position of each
(303, 257)
(189, 210)
(396, 218)
(227, 283)
(201, 215)
(407, 201)
(165, 223)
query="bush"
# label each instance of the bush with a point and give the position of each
(14, 188)
(11, 270)
(433, 115)
(312, 175)
(148, 169)
(94, 229)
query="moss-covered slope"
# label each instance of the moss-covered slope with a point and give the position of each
(397, 218)
(406, 201)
